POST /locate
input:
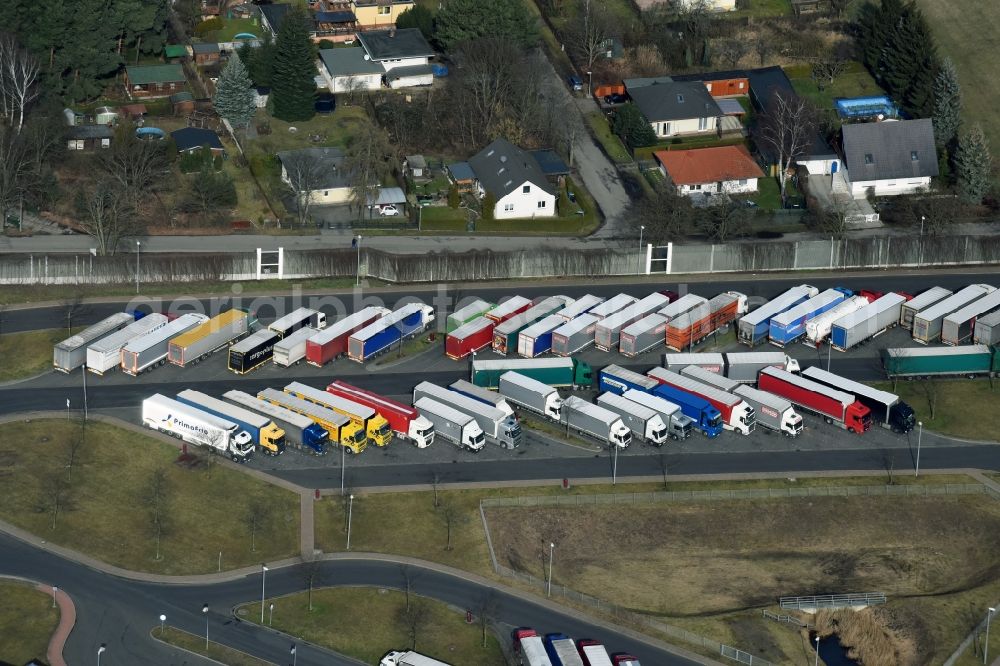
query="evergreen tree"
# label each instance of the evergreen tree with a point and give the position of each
(464, 20)
(973, 165)
(234, 98)
(259, 60)
(947, 104)
(633, 128)
(293, 88)
(417, 16)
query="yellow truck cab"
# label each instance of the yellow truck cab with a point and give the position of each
(341, 428)
(374, 425)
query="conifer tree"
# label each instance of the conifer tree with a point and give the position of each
(973, 165)
(947, 104)
(293, 86)
(234, 98)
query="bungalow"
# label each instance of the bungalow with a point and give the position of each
(190, 139)
(89, 137)
(891, 157)
(515, 179)
(707, 171)
(404, 55)
(317, 173)
(677, 108)
(350, 69)
(150, 81)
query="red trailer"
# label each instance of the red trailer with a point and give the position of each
(404, 420)
(513, 306)
(469, 337)
(833, 405)
(331, 342)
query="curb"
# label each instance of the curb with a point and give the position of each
(67, 619)
(198, 654)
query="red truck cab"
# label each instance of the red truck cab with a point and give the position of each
(622, 659)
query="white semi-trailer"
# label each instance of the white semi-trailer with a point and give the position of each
(590, 419)
(644, 422)
(531, 394)
(196, 427)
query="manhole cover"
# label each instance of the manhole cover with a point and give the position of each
(241, 612)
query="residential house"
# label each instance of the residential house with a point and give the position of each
(349, 69)
(182, 103)
(416, 166)
(207, 53)
(190, 139)
(335, 26)
(379, 14)
(404, 54)
(730, 83)
(765, 83)
(515, 179)
(677, 108)
(89, 137)
(707, 171)
(338, 20)
(150, 81)
(820, 159)
(891, 157)
(271, 16)
(461, 174)
(318, 173)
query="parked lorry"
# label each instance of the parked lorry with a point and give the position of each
(505, 334)
(409, 658)
(531, 394)
(607, 335)
(71, 353)
(580, 306)
(678, 424)
(704, 416)
(197, 427)
(645, 423)
(869, 322)
(737, 415)
(150, 350)
(381, 334)
(593, 653)
(485, 396)
(788, 326)
(681, 305)
(617, 379)
(559, 372)
(987, 331)
(512, 307)
(742, 367)
(404, 420)
(217, 333)
(753, 328)
(718, 380)
(575, 335)
(958, 361)
(928, 322)
(331, 342)
(622, 659)
(291, 349)
(375, 427)
(836, 407)
(713, 362)
(921, 301)
(457, 427)
(959, 326)
(529, 648)
(471, 312)
(342, 430)
(297, 319)
(562, 651)
(818, 328)
(612, 305)
(263, 432)
(594, 421)
(469, 338)
(537, 338)
(887, 409)
(773, 412)
(300, 431)
(500, 427)
(703, 320)
(106, 353)
(252, 351)
(643, 335)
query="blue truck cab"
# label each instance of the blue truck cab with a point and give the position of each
(706, 418)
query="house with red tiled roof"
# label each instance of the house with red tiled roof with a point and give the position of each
(707, 171)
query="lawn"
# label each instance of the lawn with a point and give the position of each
(768, 195)
(331, 129)
(103, 511)
(761, 9)
(33, 353)
(855, 82)
(955, 400)
(234, 27)
(27, 620)
(612, 145)
(220, 653)
(333, 624)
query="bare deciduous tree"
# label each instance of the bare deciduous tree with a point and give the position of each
(732, 50)
(666, 463)
(72, 307)
(929, 387)
(73, 451)
(258, 512)
(306, 171)
(452, 517)
(786, 131)
(312, 576)
(588, 34)
(55, 496)
(156, 499)
(133, 164)
(15, 167)
(106, 215)
(724, 221)
(409, 576)
(487, 609)
(435, 482)
(368, 160)
(18, 81)
(414, 619)
(826, 70)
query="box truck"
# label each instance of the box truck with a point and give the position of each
(252, 351)
(529, 648)
(300, 431)
(928, 322)
(959, 326)
(987, 330)
(754, 327)
(365, 418)
(106, 353)
(513, 306)
(197, 427)
(499, 427)
(217, 333)
(559, 372)
(959, 361)
(404, 420)
(617, 379)
(150, 350)
(921, 301)
(469, 338)
(589, 419)
(836, 407)
(485, 396)
(773, 412)
(737, 415)
(409, 658)
(71, 353)
(291, 349)
(788, 326)
(869, 322)
(643, 335)
(887, 409)
(505, 334)
(562, 651)
(678, 424)
(381, 334)
(612, 305)
(471, 312)
(536, 339)
(593, 653)
(818, 328)
(331, 342)
(297, 319)
(531, 394)
(607, 335)
(580, 306)
(263, 432)
(457, 427)
(644, 422)
(575, 335)
(342, 430)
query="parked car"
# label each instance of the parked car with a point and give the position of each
(571, 195)
(615, 98)
(425, 199)
(388, 210)
(574, 82)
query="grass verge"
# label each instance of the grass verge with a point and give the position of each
(612, 145)
(27, 620)
(332, 623)
(953, 401)
(102, 505)
(29, 354)
(216, 651)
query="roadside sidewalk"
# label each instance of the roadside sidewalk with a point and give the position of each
(67, 619)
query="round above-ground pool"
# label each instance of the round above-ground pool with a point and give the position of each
(244, 35)
(150, 133)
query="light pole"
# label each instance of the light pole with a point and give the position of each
(350, 510)
(204, 611)
(137, 267)
(922, 218)
(829, 354)
(263, 580)
(55, 591)
(294, 656)
(343, 462)
(816, 660)
(163, 624)
(920, 435)
(84, 391)
(989, 616)
(357, 273)
(100, 651)
(614, 466)
(641, 229)
(548, 587)
(67, 409)
(270, 614)
(590, 83)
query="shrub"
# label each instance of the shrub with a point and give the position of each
(211, 25)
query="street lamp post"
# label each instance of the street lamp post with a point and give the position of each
(84, 391)
(642, 228)
(816, 660)
(350, 510)
(270, 614)
(614, 466)
(357, 273)
(55, 591)
(548, 587)
(922, 218)
(204, 611)
(920, 435)
(294, 656)
(986, 649)
(590, 83)
(343, 462)
(163, 624)
(137, 267)
(263, 581)
(100, 651)
(829, 354)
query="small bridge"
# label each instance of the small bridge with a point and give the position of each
(815, 603)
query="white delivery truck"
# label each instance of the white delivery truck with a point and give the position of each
(772, 411)
(644, 422)
(291, 349)
(501, 428)
(196, 427)
(531, 394)
(106, 353)
(590, 419)
(458, 428)
(150, 350)
(678, 425)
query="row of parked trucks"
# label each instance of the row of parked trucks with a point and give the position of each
(556, 649)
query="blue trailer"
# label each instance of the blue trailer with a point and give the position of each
(706, 418)
(788, 326)
(753, 327)
(381, 334)
(537, 338)
(617, 380)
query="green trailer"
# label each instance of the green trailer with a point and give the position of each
(558, 372)
(960, 361)
(468, 313)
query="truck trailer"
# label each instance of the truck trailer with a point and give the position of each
(710, 361)
(836, 407)
(788, 326)
(869, 322)
(217, 333)
(593, 653)
(818, 328)
(559, 372)
(252, 351)
(612, 305)
(754, 327)
(263, 432)
(987, 330)
(197, 427)
(887, 409)
(531, 394)
(773, 412)
(704, 319)
(607, 335)
(512, 307)
(471, 312)
(297, 319)
(381, 334)
(959, 361)
(742, 367)
(575, 335)
(500, 427)
(921, 301)
(645, 423)
(457, 427)
(536, 339)
(409, 658)
(683, 304)
(150, 350)
(106, 353)
(643, 335)
(331, 342)
(562, 651)
(592, 420)
(469, 338)
(300, 431)
(341, 429)
(737, 415)
(678, 424)
(704, 416)
(291, 349)
(959, 326)
(529, 648)
(580, 306)
(928, 322)
(71, 353)
(404, 420)
(617, 379)
(485, 396)
(375, 427)
(719, 381)
(505, 334)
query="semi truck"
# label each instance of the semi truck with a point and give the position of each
(869, 322)
(818, 328)
(300, 431)
(719, 381)
(469, 338)
(753, 328)
(291, 349)
(921, 301)
(836, 407)
(342, 430)
(580, 306)
(678, 424)
(404, 420)
(594, 421)
(562, 651)
(711, 361)
(593, 653)
(575, 335)
(705, 417)
(505, 334)
(531, 394)
(559, 372)
(499, 427)
(71, 353)
(607, 335)
(704, 319)
(106, 353)
(381, 334)
(737, 415)
(252, 351)
(617, 379)
(645, 423)
(197, 427)
(959, 361)
(205, 339)
(537, 338)
(742, 367)
(643, 335)
(928, 322)
(263, 432)
(409, 658)
(959, 326)
(887, 409)
(331, 342)
(513, 306)
(150, 350)
(773, 412)
(369, 421)
(987, 330)
(612, 305)
(529, 648)
(485, 396)
(467, 313)
(683, 304)
(297, 319)
(457, 427)
(788, 326)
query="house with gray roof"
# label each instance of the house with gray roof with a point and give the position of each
(404, 54)
(349, 69)
(318, 173)
(891, 157)
(676, 108)
(514, 177)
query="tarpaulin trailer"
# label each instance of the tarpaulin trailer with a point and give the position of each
(106, 353)
(927, 323)
(754, 327)
(574, 335)
(469, 338)
(331, 342)
(150, 350)
(580, 306)
(608, 332)
(514, 305)
(788, 326)
(467, 313)
(987, 330)
(959, 326)
(921, 301)
(537, 338)
(643, 335)
(612, 305)
(866, 323)
(71, 353)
